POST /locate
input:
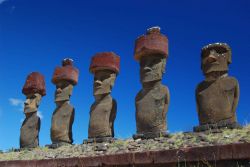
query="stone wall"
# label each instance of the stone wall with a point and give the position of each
(232, 155)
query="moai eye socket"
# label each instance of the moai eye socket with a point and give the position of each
(62, 85)
(221, 50)
(215, 49)
(156, 60)
(102, 75)
(143, 62)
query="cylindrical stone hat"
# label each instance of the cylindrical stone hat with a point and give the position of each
(153, 43)
(66, 73)
(105, 61)
(221, 48)
(35, 83)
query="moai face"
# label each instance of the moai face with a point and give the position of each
(33, 89)
(63, 91)
(152, 68)
(104, 81)
(32, 103)
(216, 58)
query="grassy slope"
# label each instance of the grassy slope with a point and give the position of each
(175, 141)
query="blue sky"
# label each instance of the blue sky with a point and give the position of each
(37, 35)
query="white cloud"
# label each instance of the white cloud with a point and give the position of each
(39, 114)
(2, 1)
(17, 103)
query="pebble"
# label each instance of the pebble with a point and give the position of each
(101, 147)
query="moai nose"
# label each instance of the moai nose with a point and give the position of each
(59, 90)
(98, 83)
(211, 59)
(26, 102)
(147, 69)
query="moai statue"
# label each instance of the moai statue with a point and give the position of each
(33, 89)
(64, 78)
(152, 102)
(105, 67)
(218, 95)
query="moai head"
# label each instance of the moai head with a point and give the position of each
(105, 66)
(34, 89)
(152, 51)
(65, 78)
(215, 58)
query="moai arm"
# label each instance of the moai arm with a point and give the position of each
(167, 101)
(113, 116)
(236, 97)
(137, 98)
(38, 129)
(196, 100)
(39, 124)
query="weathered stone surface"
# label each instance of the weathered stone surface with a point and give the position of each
(105, 67)
(218, 95)
(153, 100)
(63, 117)
(62, 121)
(102, 117)
(29, 137)
(34, 89)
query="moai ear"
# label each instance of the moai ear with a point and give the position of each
(112, 79)
(229, 57)
(164, 61)
(70, 87)
(38, 99)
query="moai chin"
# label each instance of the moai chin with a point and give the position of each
(152, 102)
(64, 78)
(218, 95)
(105, 67)
(34, 89)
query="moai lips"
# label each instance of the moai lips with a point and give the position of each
(152, 101)
(64, 78)
(218, 95)
(105, 66)
(153, 43)
(34, 89)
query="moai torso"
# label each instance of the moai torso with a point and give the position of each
(102, 116)
(216, 100)
(151, 107)
(62, 121)
(30, 132)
